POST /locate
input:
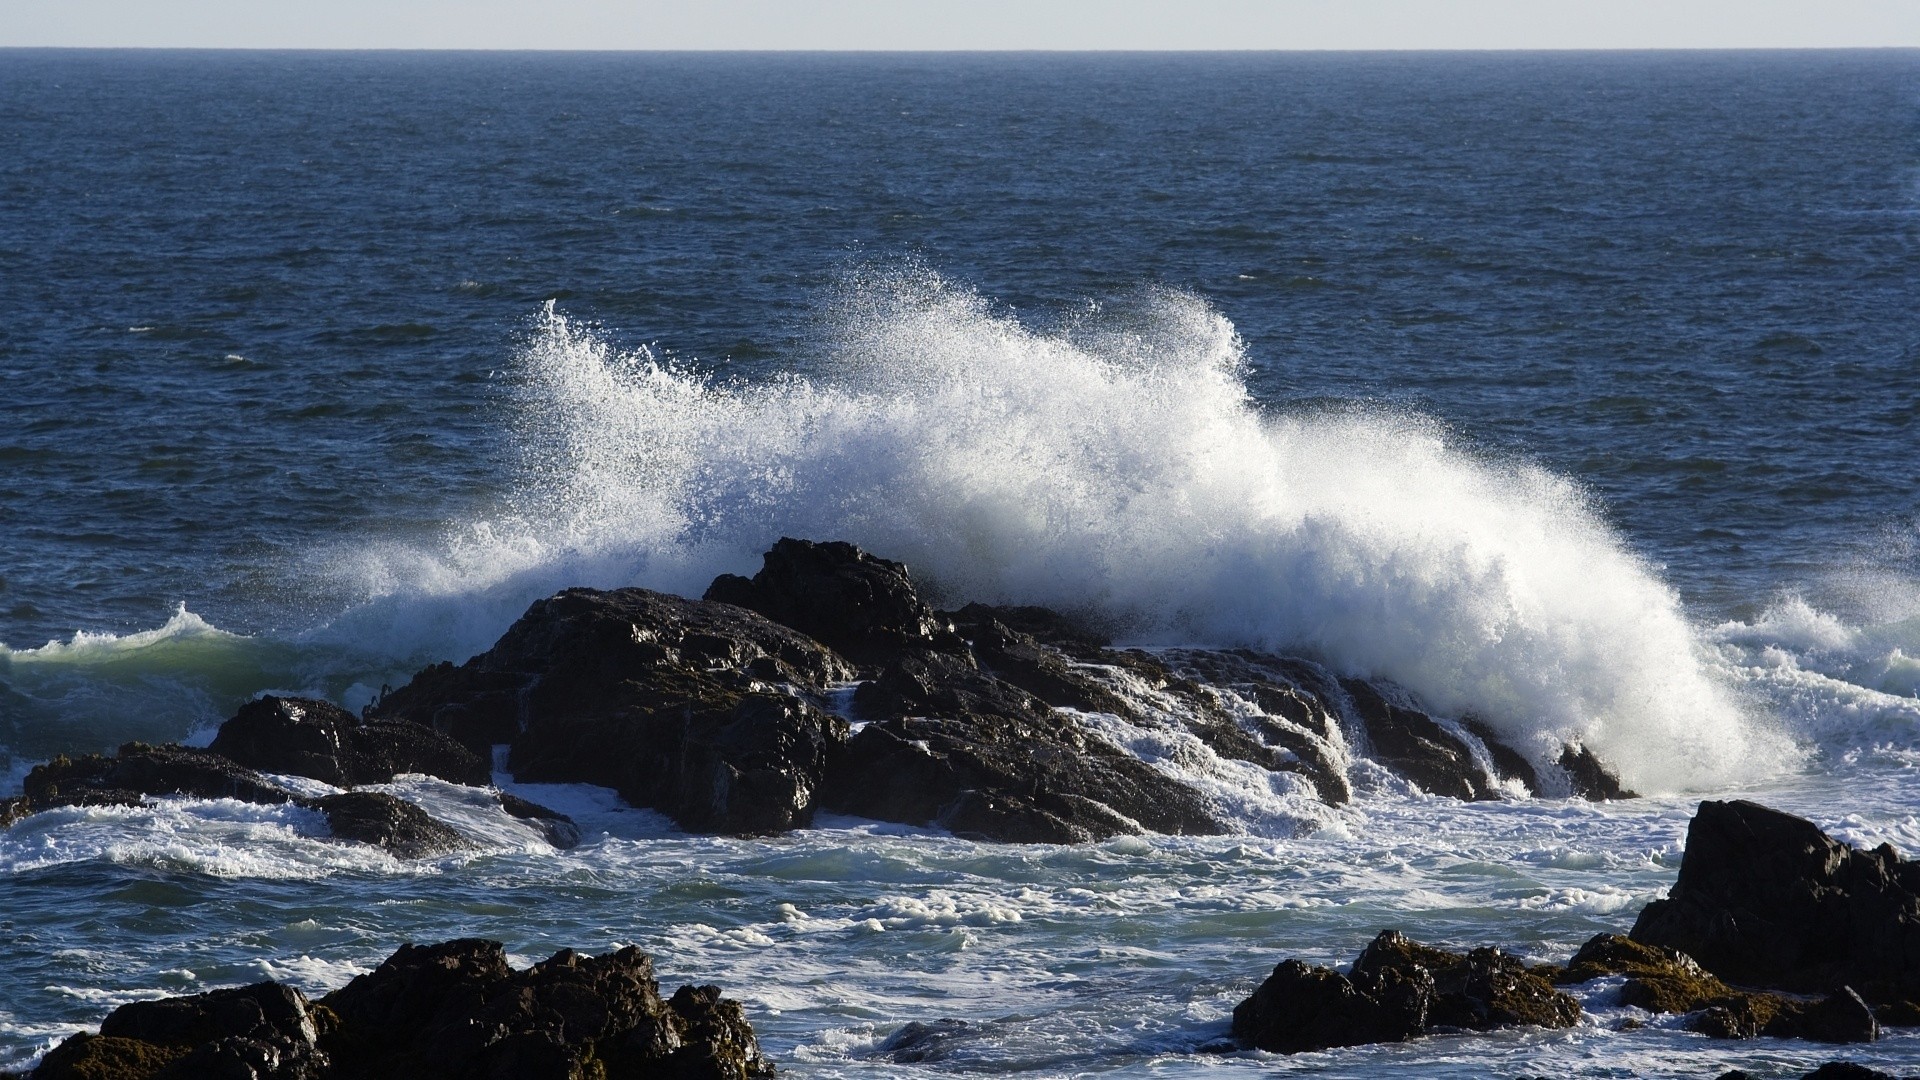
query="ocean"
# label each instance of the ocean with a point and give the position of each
(1578, 392)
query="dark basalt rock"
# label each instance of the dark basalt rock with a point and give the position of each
(916, 1043)
(707, 712)
(560, 829)
(140, 770)
(950, 745)
(454, 1011)
(373, 817)
(320, 740)
(1398, 989)
(862, 607)
(1848, 1070)
(457, 1010)
(1295, 729)
(266, 1030)
(1417, 747)
(1668, 981)
(1590, 779)
(1767, 899)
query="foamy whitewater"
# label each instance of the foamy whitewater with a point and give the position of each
(1478, 426)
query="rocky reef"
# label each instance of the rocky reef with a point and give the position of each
(739, 713)
(1773, 929)
(452, 1011)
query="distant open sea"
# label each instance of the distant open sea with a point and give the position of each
(1475, 372)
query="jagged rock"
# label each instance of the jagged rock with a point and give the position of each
(1301, 1008)
(457, 1010)
(1482, 990)
(949, 745)
(707, 712)
(1767, 899)
(318, 739)
(373, 817)
(140, 770)
(453, 1011)
(862, 607)
(1588, 778)
(267, 1030)
(1397, 989)
(1295, 730)
(1666, 980)
(1417, 747)
(560, 829)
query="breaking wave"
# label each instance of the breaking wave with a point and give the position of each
(1117, 467)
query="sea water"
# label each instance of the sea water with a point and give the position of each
(1577, 392)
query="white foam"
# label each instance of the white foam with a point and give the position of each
(1116, 465)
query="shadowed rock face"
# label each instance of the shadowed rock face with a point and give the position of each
(1398, 989)
(318, 739)
(862, 607)
(707, 712)
(376, 818)
(1767, 899)
(454, 1010)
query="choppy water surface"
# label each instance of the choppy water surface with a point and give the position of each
(1575, 391)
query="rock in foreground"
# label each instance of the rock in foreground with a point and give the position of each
(453, 1011)
(1398, 989)
(1767, 899)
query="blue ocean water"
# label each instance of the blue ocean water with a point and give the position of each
(1578, 390)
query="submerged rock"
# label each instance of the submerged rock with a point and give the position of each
(1396, 990)
(320, 740)
(456, 1010)
(1766, 899)
(376, 818)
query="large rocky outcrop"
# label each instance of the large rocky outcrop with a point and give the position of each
(993, 722)
(1766, 899)
(453, 1011)
(318, 739)
(707, 712)
(1396, 990)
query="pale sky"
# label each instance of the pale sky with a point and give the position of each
(963, 24)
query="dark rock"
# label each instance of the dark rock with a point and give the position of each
(952, 746)
(1840, 1017)
(1398, 989)
(1737, 1074)
(706, 712)
(1588, 778)
(317, 739)
(1847, 1070)
(560, 829)
(457, 1010)
(1767, 899)
(916, 1043)
(373, 817)
(1511, 764)
(1300, 1008)
(140, 770)
(1417, 747)
(266, 1030)
(863, 607)
(1483, 990)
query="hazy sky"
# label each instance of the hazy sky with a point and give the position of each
(963, 24)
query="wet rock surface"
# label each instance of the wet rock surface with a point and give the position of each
(707, 712)
(863, 607)
(373, 817)
(1766, 899)
(1398, 989)
(455, 1010)
(320, 740)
